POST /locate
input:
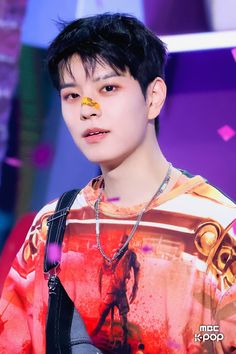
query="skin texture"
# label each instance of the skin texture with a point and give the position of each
(129, 119)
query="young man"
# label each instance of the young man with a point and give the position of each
(148, 256)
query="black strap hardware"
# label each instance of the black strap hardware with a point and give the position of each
(56, 227)
(58, 214)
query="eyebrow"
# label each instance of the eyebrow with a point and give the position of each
(104, 77)
(70, 84)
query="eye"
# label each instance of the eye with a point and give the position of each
(70, 96)
(109, 88)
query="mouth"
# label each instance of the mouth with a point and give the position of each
(95, 135)
(94, 131)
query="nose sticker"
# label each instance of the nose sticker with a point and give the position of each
(89, 102)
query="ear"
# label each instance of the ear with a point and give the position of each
(155, 98)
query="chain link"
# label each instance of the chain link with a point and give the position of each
(122, 249)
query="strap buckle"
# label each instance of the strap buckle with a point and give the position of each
(57, 215)
(52, 272)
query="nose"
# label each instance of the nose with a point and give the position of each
(89, 108)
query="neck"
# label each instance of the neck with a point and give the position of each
(137, 178)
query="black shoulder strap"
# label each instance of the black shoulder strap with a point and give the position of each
(65, 329)
(56, 229)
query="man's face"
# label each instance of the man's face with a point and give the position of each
(110, 129)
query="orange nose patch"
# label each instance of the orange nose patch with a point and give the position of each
(89, 102)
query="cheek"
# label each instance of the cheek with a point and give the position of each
(69, 117)
(131, 130)
(128, 108)
(65, 114)
(135, 114)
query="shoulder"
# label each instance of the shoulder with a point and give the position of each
(47, 210)
(38, 230)
(195, 202)
(202, 199)
(206, 190)
(215, 203)
(210, 192)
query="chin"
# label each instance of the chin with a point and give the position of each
(104, 160)
(97, 158)
(107, 158)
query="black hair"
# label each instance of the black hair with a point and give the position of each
(119, 40)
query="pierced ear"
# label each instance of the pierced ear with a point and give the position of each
(156, 95)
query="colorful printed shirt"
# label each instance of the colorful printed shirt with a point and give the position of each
(172, 290)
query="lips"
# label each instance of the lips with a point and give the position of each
(94, 131)
(95, 135)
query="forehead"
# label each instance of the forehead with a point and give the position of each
(74, 67)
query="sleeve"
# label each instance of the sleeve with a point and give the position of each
(225, 261)
(226, 319)
(16, 300)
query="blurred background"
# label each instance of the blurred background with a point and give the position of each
(38, 160)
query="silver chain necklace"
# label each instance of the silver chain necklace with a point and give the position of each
(121, 250)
